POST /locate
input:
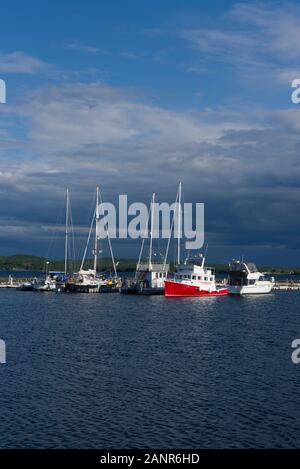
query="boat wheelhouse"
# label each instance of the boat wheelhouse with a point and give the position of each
(149, 279)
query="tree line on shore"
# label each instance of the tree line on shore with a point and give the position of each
(25, 262)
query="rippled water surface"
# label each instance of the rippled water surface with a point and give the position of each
(125, 371)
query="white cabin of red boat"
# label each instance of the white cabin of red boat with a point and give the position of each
(194, 272)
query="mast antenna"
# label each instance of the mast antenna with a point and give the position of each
(151, 229)
(179, 224)
(67, 231)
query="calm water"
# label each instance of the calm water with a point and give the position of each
(124, 371)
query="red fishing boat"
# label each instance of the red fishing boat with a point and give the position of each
(192, 279)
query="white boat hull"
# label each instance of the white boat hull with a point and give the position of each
(257, 289)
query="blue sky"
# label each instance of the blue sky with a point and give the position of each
(136, 95)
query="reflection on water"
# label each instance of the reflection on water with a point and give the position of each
(124, 371)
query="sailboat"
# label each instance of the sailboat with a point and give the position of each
(89, 280)
(150, 275)
(55, 281)
(192, 277)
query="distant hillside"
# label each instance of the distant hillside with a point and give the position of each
(21, 262)
(35, 263)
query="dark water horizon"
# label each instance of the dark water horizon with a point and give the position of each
(114, 371)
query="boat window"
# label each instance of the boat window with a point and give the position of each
(252, 267)
(199, 277)
(211, 279)
(194, 277)
(206, 278)
(261, 278)
(251, 281)
(160, 275)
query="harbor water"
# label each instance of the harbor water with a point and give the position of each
(117, 371)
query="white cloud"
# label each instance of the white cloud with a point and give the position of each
(19, 62)
(277, 24)
(218, 41)
(85, 48)
(81, 135)
(129, 55)
(261, 36)
(69, 118)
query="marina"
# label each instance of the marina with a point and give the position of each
(153, 276)
(10, 281)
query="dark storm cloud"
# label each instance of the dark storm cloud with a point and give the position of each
(243, 165)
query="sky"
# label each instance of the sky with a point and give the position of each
(137, 96)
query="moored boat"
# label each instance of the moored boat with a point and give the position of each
(48, 284)
(191, 279)
(149, 279)
(25, 286)
(90, 280)
(244, 279)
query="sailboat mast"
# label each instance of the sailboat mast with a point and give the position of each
(151, 229)
(108, 237)
(96, 231)
(67, 231)
(179, 224)
(204, 257)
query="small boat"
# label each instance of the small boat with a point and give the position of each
(25, 286)
(84, 281)
(110, 285)
(191, 279)
(244, 279)
(48, 284)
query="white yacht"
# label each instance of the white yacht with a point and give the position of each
(244, 278)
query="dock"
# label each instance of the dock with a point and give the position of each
(11, 282)
(287, 285)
